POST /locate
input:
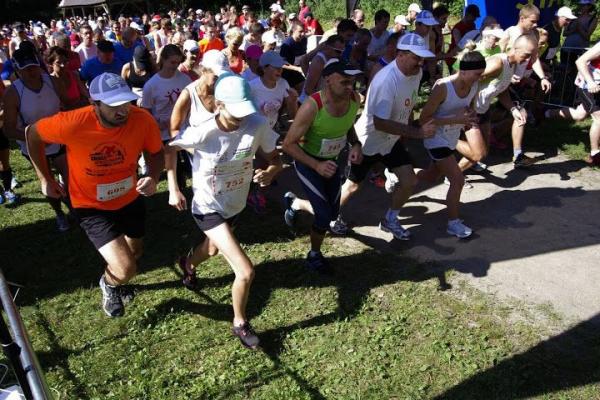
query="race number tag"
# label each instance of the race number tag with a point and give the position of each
(110, 191)
(332, 147)
(231, 177)
(452, 131)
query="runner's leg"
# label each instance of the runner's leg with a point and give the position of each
(474, 149)
(407, 180)
(121, 262)
(449, 168)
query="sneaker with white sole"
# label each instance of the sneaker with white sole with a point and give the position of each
(112, 303)
(479, 167)
(458, 229)
(391, 180)
(339, 227)
(289, 215)
(395, 228)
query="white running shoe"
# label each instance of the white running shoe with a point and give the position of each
(395, 228)
(339, 227)
(391, 180)
(458, 229)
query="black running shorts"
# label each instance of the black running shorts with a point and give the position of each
(398, 157)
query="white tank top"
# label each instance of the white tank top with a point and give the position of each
(198, 113)
(491, 89)
(447, 135)
(320, 84)
(35, 105)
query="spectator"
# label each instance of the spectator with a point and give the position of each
(578, 33)
(105, 61)
(562, 18)
(466, 24)
(87, 49)
(379, 35)
(312, 25)
(358, 16)
(303, 9)
(413, 10)
(211, 40)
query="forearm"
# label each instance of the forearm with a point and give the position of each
(505, 100)
(397, 128)
(171, 167)
(156, 163)
(296, 152)
(36, 150)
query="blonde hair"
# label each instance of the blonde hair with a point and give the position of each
(233, 34)
(528, 10)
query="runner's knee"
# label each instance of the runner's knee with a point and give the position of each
(245, 274)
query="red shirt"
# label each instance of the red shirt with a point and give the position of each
(314, 25)
(462, 27)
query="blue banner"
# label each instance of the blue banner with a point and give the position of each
(507, 11)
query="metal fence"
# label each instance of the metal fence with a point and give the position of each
(563, 73)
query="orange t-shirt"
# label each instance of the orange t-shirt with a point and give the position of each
(215, 44)
(102, 161)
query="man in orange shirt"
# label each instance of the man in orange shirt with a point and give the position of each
(211, 40)
(103, 143)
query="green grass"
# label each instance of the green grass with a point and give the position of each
(381, 328)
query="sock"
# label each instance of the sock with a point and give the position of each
(6, 177)
(594, 152)
(295, 205)
(516, 152)
(453, 221)
(392, 215)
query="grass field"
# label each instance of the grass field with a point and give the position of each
(384, 327)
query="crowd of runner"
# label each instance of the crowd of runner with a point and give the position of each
(101, 107)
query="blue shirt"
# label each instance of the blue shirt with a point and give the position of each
(93, 67)
(125, 54)
(290, 49)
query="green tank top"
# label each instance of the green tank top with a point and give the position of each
(326, 137)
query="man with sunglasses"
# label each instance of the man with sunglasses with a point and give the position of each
(104, 142)
(386, 119)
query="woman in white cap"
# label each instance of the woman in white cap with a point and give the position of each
(191, 50)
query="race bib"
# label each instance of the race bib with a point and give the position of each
(231, 177)
(110, 191)
(332, 147)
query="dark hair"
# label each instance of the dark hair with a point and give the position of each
(168, 51)
(256, 28)
(439, 11)
(393, 38)
(472, 56)
(54, 53)
(363, 32)
(333, 39)
(473, 10)
(381, 14)
(347, 25)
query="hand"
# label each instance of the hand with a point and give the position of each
(427, 130)
(146, 186)
(520, 115)
(326, 168)
(546, 85)
(593, 88)
(467, 116)
(177, 200)
(53, 189)
(515, 79)
(292, 93)
(263, 177)
(355, 156)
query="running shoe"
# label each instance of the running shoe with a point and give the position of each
(289, 215)
(127, 294)
(62, 223)
(458, 229)
(376, 179)
(10, 197)
(593, 161)
(522, 161)
(479, 167)
(246, 335)
(395, 228)
(189, 280)
(391, 180)
(112, 303)
(1, 199)
(318, 263)
(467, 185)
(339, 227)
(14, 183)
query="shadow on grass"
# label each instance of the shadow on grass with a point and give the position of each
(568, 360)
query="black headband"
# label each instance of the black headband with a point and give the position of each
(471, 65)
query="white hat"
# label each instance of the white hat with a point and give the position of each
(268, 37)
(111, 89)
(190, 45)
(216, 61)
(136, 26)
(414, 7)
(426, 18)
(565, 12)
(199, 11)
(235, 93)
(276, 8)
(497, 32)
(401, 20)
(415, 44)
(292, 16)
(38, 31)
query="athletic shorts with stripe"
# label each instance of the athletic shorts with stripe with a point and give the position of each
(322, 193)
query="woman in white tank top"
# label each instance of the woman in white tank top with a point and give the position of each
(451, 107)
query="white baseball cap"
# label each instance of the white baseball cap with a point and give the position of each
(268, 37)
(565, 12)
(401, 20)
(414, 7)
(426, 18)
(190, 45)
(111, 90)
(216, 61)
(277, 8)
(497, 32)
(415, 44)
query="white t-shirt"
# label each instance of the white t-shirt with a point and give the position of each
(85, 53)
(269, 101)
(377, 45)
(159, 95)
(391, 95)
(222, 167)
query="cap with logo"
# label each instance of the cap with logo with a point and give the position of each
(23, 58)
(234, 92)
(415, 44)
(216, 61)
(414, 7)
(341, 67)
(425, 17)
(111, 90)
(273, 59)
(565, 12)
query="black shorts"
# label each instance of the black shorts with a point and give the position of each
(103, 226)
(485, 117)
(398, 157)
(292, 77)
(212, 220)
(591, 102)
(4, 144)
(439, 153)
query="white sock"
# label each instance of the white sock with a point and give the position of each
(594, 152)
(392, 215)
(295, 206)
(516, 152)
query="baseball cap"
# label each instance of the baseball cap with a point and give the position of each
(106, 46)
(216, 61)
(401, 20)
(414, 7)
(335, 65)
(586, 1)
(23, 58)
(292, 16)
(253, 52)
(234, 92)
(190, 45)
(277, 8)
(269, 37)
(111, 90)
(245, 7)
(136, 26)
(199, 11)
(273, 59)
(426, 17)
(565, 12)
(497, 32)
(156, 17)
(38, 31)
(415, 44)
